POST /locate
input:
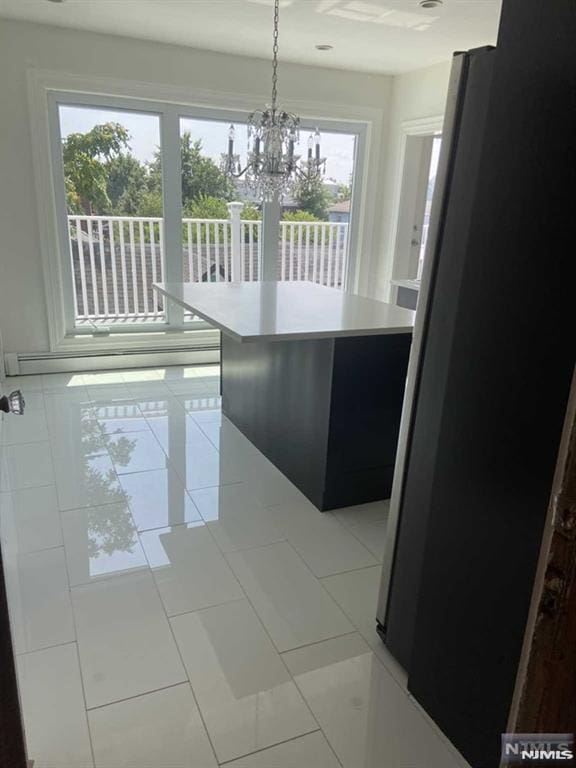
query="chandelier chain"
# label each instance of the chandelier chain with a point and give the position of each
(273, 167)
(275, 54)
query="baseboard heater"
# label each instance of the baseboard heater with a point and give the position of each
(62, 362)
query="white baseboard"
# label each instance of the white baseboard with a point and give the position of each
(20, 365)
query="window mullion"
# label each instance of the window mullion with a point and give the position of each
(172, 197)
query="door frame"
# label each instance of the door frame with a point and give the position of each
(414, 163)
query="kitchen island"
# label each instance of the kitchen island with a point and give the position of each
(313, 377)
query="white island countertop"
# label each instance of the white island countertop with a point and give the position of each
(282, 311)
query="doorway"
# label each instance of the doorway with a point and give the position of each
(419, 165)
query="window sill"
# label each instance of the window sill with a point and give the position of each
(146, 341)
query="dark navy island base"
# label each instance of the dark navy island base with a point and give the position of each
(314, 377)
(326, 412)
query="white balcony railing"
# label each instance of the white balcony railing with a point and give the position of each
(115, 259)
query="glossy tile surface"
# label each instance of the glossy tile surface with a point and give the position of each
(86, 481)
(202, 404)
(40, 609)
(244, 691)
(268, 484)
(126, 647)
(366, 716)
(101, 542)
(310, 751)
(291, 603)
(25, 466)
(158, 499)
(235, 518)
(372, 535)
(321, 541)
(176, 432)
(53, 708)
(24, 383)
(29, 520)
(31, 427)
(356, 593)
(157, 730)
(189, 569)
(136, 452)
(120, 418)
(222, 433)
(63, 382)
(122, 583)
(376, 510)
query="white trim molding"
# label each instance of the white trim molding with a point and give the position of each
(424, 126)
(46, 87)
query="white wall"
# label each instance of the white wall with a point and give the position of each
(415, 95)
(24, 45)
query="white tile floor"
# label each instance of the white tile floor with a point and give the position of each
(177, 603)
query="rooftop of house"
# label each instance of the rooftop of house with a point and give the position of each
(343, 206)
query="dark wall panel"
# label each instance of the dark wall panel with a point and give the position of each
(506, 390)
(441, 329)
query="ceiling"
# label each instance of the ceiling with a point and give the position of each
(382, 36)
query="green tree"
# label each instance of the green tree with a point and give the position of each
(200, 174)
(85, 157)
(313, 197)
(299, 216)
(206, 207)
(250, 213)
(344, 192)
(151, 204)
(127, 184)
(304, 216)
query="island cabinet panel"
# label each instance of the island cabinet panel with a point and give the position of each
(368, 381)
(326, 412)
(278, 394)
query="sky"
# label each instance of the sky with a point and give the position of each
(144, 130)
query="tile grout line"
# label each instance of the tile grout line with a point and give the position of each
(403, 689)
(45, 648)
(324, 640)
(274, 646)
(272, 746)
(77, 644)
(174, 640)
(246, 597)
(137, 696)
(168, 618)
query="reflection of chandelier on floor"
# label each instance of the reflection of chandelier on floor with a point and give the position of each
(272, 167)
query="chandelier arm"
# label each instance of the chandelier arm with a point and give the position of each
(272, 166)
(238, 174)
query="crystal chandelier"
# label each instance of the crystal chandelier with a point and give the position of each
(272, 167)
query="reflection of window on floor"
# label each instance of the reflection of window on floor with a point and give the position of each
(436, 144)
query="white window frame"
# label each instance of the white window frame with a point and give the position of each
(47, 88)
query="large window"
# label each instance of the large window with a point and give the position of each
(142, 199)
(114, 208)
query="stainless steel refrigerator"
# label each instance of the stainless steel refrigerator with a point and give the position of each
(488, 379)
